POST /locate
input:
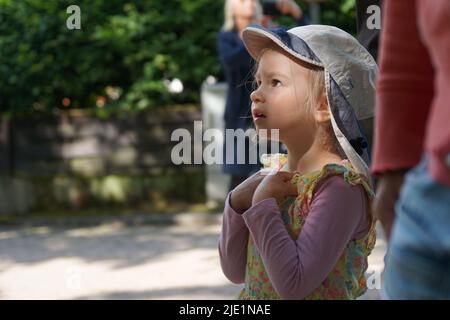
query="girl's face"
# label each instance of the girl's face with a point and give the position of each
(245, 8)
(279, 102)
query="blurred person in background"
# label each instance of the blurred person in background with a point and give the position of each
(237, 66)
(369, 37)
(412, 132)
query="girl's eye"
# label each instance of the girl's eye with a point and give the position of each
(276, 82)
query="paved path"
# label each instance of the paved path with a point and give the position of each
(115, 261)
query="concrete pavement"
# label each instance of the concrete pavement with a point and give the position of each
(113, 260)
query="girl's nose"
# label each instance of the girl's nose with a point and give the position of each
(256, 96)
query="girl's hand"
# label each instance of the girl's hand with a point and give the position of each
(388, 191)
(276, 186)
(242, 195)
(289, 7)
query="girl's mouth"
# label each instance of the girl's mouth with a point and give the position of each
(258, 115)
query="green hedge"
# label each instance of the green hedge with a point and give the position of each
(122, 54)
(129, 46)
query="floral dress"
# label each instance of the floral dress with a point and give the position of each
(347, 278)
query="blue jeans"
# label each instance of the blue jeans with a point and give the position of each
(417, 265)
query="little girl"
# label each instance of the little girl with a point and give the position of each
(306, 231)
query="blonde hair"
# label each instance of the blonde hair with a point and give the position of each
(316, 87)
(229, 23)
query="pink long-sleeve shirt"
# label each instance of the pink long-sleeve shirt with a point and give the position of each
(338, 214)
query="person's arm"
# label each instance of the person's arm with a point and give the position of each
(338, 213)
(404, 95)
(302, 19)
(404, 90)
(290, 7)
(231, 53)
(233, 244)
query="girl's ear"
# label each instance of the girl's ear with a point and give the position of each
(322, 114)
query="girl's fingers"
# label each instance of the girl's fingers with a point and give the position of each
(285, 175)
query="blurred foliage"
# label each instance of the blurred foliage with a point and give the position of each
(121, 57)
(126, 48)
(340, 13)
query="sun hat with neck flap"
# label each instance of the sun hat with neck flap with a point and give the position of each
(349, 71)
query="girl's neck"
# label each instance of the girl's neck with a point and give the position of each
(308, 160)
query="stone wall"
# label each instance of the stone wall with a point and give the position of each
(75, 159)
